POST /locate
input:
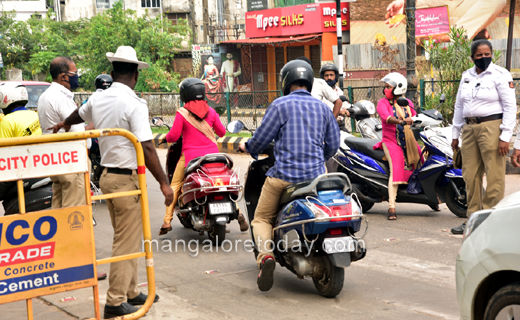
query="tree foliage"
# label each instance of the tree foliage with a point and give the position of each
(31, 45)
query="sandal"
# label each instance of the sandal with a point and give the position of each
(392, 215)
(164, 230)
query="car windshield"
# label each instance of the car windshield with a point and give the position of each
(34, 91)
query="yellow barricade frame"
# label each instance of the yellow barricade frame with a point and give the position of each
(145, 217)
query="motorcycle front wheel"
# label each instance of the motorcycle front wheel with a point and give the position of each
(330, 283)
(457, 206)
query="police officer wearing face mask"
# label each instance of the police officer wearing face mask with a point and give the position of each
(56, 104)
(485, 113)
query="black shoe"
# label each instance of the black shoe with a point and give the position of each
(121, 310)
(265, 278)
(140, 299)
(459, 229)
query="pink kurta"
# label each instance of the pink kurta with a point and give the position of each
(385, 110)
(195, 143)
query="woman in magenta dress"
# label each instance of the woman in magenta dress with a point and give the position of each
(396, 121)
(197, 123)
(212, 81)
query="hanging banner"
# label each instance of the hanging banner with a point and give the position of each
(432, 21)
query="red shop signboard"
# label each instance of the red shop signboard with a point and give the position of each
(296, 20)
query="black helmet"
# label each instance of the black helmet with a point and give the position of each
(103, 81)
(192, 89)
(296, 70)
(329, 67)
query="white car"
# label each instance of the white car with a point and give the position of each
(488, 264)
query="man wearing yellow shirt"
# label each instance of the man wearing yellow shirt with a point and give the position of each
(18, 121)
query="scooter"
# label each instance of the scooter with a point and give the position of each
(369, 171)
(38, 196)
(314, 233)
(210, 192)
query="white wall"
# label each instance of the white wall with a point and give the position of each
(24, 9)
(77, 9)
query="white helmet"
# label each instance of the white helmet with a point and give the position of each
(11, 92)
(398, 81)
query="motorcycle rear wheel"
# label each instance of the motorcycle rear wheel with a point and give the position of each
(330, 283)
(217, 234)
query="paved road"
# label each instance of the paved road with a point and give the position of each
(409, 273)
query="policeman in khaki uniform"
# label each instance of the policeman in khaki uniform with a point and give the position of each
(119, 107)
(485, 112)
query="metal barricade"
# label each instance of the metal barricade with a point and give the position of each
(60, 238)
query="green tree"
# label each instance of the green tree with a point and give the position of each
(32, 45)
(155, 40)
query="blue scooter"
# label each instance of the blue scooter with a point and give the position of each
(439, 181)
(314, 232)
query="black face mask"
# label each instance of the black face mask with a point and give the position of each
(482, 63)
(331, 82)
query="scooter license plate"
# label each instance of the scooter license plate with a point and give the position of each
(220, 208)
(336, 245)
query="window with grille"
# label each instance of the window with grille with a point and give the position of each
(174, 17)
(150, 3)
(103, 4)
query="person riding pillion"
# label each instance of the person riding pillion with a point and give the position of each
(330, 74)
(305, 135)
(197, 123)
(323, 92)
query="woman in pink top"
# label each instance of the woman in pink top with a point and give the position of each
(197, 139)
(394, 119)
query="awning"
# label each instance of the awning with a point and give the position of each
(306, 38)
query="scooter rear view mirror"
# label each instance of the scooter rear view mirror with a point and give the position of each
(235, 126)
(442, 98)
(157, 121)
(403, 102)
(369, 93)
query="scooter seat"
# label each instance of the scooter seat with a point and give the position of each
(196, 163)
(306, 188)
(365, 146)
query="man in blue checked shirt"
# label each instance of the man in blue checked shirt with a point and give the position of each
(306, 135)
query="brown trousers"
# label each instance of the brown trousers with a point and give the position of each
(480, 155)
(68, 190)
(265, 214)
(125, 214)
(177, 181)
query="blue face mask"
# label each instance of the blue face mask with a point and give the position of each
(331, 83)
(73, 81)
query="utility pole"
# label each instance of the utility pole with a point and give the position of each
(410, 48)
(339, 33)
(510, 35)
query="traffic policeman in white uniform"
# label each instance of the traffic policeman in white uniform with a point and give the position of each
(119, 107)
(485, 113)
